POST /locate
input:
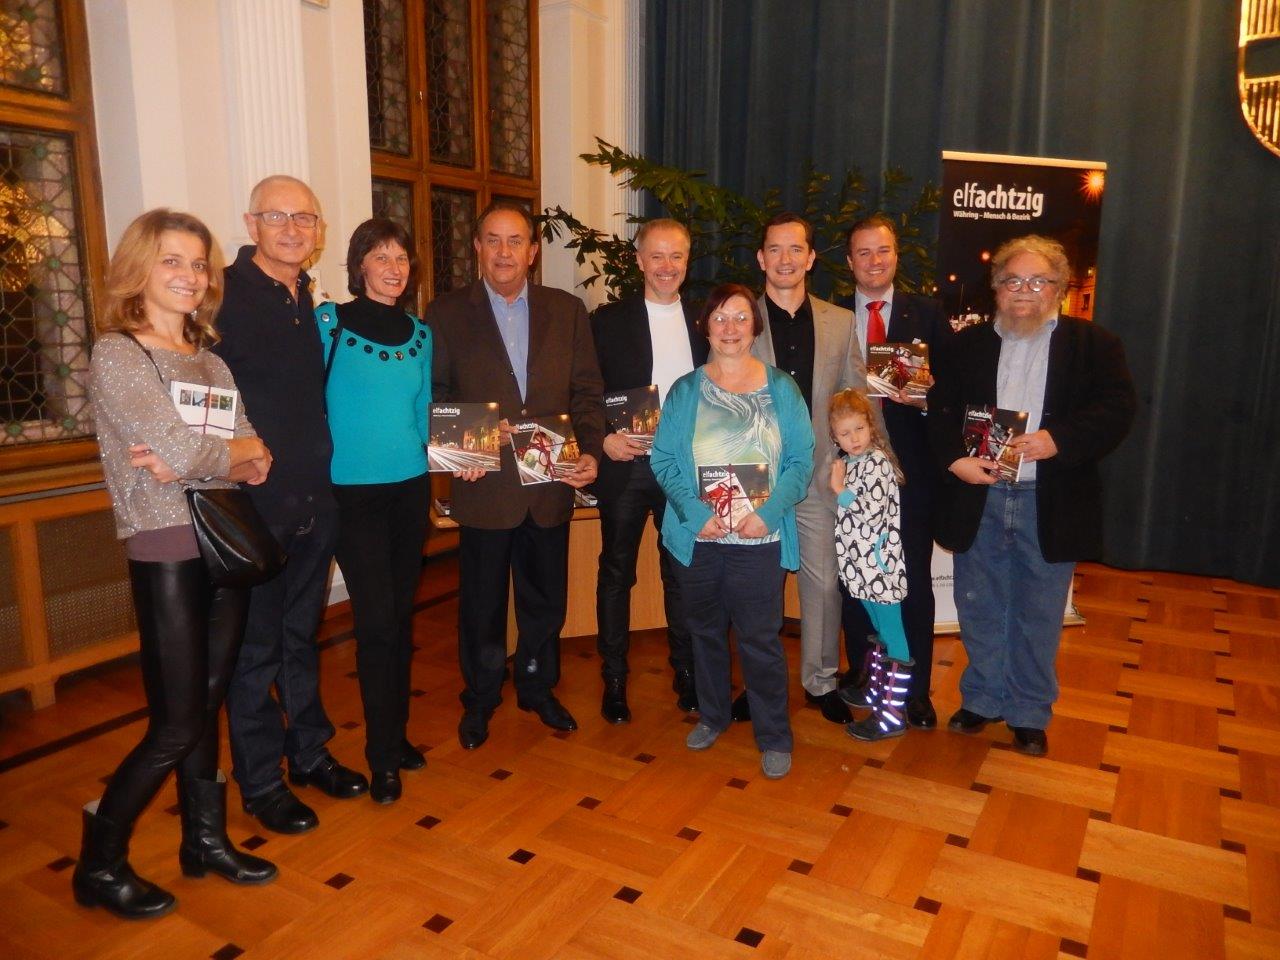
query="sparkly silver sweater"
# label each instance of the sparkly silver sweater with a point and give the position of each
(131, 405)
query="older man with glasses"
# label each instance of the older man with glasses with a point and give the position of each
(1016, 543)
(269, 341)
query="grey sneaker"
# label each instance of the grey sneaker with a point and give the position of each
(701, 737)
(775, 764)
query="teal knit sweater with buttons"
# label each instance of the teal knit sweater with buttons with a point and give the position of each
(379, 399)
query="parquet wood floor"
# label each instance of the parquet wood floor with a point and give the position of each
(1151, 830)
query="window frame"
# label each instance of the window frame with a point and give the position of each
(70, 115)
(419, 172)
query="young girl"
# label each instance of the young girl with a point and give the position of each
(869, 556)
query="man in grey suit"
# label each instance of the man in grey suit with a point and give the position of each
(814, 341)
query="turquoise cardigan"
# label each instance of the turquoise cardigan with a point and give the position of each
(672, 461)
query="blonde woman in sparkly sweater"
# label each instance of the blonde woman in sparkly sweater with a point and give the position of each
(163, 289)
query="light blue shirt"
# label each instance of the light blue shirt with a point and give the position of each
(1021, 375)
(861, 316)
(513, 325)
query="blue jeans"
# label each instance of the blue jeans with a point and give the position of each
(279, 655)
(738, 585)
(1010, 602)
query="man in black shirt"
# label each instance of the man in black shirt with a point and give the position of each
(269, 341)
(814, 341)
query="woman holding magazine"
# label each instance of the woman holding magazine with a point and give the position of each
(155, 388)
(378, 393)
(733, 454)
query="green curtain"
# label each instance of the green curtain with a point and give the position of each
(1189, 266)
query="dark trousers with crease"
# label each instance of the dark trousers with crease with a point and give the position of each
(622, 521)
(380, 534)
(536, 559)
(188, 634)
(273, 705)
(739, 585)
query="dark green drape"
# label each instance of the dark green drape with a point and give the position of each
(1189, 266)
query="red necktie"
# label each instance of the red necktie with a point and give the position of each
(875, 321)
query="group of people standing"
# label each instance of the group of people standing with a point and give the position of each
(329, 437)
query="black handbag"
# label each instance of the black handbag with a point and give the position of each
(238, 548)
(236, 544)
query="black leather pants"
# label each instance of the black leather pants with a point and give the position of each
(189, 633)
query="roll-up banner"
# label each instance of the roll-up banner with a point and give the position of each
(986, 200)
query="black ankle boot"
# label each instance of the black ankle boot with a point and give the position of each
(613, 706)
(205, 844)
(686, 690)
(103, 877)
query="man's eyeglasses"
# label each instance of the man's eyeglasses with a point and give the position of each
(278, 218)
(1034, 284)
(724, 319)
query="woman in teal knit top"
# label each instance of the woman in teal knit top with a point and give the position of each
(378, 394)
(735, 412)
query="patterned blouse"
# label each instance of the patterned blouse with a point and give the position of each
(868, 534)
(737, 428)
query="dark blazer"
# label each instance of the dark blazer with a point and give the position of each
(471, 363)
(912, 318)
(624, 351)
(1089, 404)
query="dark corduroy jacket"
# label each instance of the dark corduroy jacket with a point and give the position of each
(1089, 404)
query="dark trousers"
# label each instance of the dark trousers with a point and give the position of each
(622, 520)
(536, 559)
(279, 654)
(380, 534)
(188, 635)
(918, 607)
(739, 585)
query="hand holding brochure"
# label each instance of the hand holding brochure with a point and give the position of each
(634, 413)
(898, 366)
(545, 448)
(734, 490)
(464, 436)
(987, 432)
(207, 410)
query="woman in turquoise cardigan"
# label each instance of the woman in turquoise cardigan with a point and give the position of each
(733, 453)
(378, 395)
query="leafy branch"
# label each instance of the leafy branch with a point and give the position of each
(725, 225)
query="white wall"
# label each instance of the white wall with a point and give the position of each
(586, 92)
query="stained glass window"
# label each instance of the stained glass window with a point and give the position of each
(44, 327)
(453, 257)
(386, 75)
(510, 86)
(31, 46)
(393, 199)
(449, 104)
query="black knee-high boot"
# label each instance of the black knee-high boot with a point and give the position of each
(205, 844)
(104, 878)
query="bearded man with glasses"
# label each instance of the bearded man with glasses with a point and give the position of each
(269, 341)
(1016, 543)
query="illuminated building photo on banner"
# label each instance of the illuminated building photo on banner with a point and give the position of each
(988, 199)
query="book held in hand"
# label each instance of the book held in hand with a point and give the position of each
(987, 433)
(734, 490)
(207, 410)
(633, 412)
(898, 366)
(464, 436)
(545, 449)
